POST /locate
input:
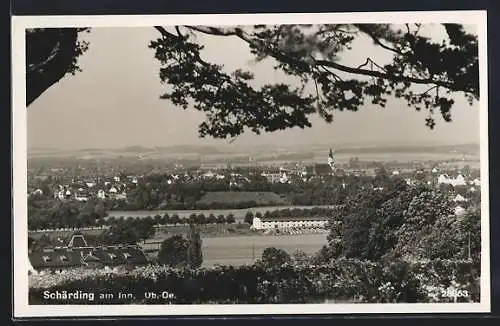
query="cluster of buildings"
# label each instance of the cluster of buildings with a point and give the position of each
(301, 173)
(113, 188)
(458, 180)
(79, 254)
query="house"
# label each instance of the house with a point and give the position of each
(409, 182)
(132, 179)
(59, 194)
(459, 198)
(458, 181)
(443, 179)
(79, 254)
(284, 177)
(101, 194)
(459, 210)
(37, 192)
(272, 177)
(208, 175)
(271, 223)
(121, 196)
(319, 169)
(81, 197)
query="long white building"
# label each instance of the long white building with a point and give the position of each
(271, 223)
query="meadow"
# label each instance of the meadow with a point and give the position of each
(246, 249)
(232, 197)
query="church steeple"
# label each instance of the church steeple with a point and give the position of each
(330, 159)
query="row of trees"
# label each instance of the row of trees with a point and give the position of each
(175, 219)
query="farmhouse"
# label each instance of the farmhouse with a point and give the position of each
(79, 254)
(269, 223)
(273, 177)
(445, 179)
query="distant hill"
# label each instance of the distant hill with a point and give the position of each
(412, 149)
(218, 152)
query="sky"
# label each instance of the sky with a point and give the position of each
(114, 102)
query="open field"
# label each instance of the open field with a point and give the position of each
(240, 250)
(207, 230)
(234, 197)
(239, 214)
(245, 249)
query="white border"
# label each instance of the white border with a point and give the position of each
(20, 254)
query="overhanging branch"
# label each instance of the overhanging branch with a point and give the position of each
(325, 63)
(375, 39)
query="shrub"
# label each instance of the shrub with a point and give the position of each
(173, 251)
(230, 218)
(273, 257)
(249, 218)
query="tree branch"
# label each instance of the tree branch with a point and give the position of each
(364, 64)
(166, 33)
(179, 31)
(43, 75)
(325, 63)
(375, 39)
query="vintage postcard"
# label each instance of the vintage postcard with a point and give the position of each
(250, 164)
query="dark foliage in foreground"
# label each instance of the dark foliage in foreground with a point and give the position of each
(340, 281)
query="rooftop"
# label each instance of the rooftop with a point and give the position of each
(295, 218)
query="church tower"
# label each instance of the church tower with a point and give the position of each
(330, 160)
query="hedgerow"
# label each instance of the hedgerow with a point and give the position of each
(341, 280)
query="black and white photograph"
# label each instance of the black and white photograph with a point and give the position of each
(250, 164)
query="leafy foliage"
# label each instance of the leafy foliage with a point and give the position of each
(401, 221)
(53, 214)
(274, 257)
(249, 218)
(51, 53)
(310, 54)
(174, 251)
(194, 253)
(342, 280)
(425, 232)
(129, 231)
